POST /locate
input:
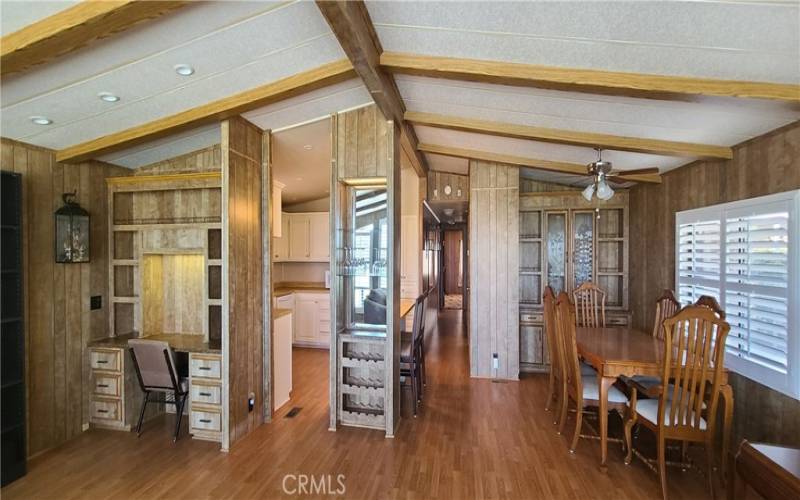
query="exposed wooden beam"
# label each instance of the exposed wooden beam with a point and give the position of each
(588, 139)
(74, 28)
(327, 74)
(353, 27)
(549, 165)
(583, 80)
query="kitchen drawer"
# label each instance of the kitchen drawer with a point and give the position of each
(535, 317)
(325, 326)
(206, 394)
(107, 385)
(206, 420)
(106, 359)
(324, 305)
(205, 367)
(106, 409)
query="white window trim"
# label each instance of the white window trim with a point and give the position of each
(790, 383)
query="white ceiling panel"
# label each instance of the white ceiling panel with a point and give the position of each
(166, 148)
(713, 39)
(622, 160)
(714, 121)
(448, 164)
(301, 160)
(15, 15)
(267, 45)
(310, 106)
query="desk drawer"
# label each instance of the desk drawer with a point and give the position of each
(107, 385)
(106, 359)
(106, 409)
(206, 367)
(206, 421)
(206, 394)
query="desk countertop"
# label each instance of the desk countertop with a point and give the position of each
(178, 342)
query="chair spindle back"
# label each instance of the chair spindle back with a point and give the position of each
(590, 305)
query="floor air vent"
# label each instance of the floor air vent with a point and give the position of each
(293, 412)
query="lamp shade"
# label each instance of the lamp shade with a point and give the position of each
(604, 191)
(588, 192)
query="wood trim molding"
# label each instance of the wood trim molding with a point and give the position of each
(75, 28)
(583, 80)
(549, 165)
(221, 109)
(350, 22)
(586, 139)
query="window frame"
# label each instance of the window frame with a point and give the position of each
(788, 384)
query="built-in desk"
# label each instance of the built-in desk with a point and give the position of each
(116, 398)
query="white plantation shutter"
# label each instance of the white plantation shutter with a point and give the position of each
(746, 255)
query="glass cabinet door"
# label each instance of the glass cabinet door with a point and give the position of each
(557, 250)
(582, 248)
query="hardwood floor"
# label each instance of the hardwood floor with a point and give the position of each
(472, 439)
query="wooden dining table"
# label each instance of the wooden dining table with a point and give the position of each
(618, 351)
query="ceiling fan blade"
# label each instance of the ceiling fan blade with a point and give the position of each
(639, 171)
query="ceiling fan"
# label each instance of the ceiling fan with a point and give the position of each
(601, 171)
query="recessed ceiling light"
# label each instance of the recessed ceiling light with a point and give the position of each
(41, 120)
(184, 69)
(108, 97)
(307, 147)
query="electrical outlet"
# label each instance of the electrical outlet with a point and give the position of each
(95, 302)
(251, 402)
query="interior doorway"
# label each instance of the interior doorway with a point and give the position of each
(453, 272)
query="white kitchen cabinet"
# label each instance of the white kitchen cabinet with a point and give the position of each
(299, 237)
(320, 237)
(312, 319)
(282, 360)
(281, 244)
(409, 257)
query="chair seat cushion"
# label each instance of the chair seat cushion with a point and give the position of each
(592, 391)
(587, 369)
(648, 409)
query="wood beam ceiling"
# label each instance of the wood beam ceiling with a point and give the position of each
(237, 104)
(351, 23)
(74, 28)
(583, 80)
(586, 139)
(548, 165)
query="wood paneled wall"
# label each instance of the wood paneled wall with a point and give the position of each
(203, 160)
(494, 269)
(361, 134)
(438, 180)
(58, 320)
(242, 287)
(534, 186)
(767, 164)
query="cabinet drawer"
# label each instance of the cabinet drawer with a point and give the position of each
(106, 409)
(206, 420)
(325, 327)
(206, 367)
(107, 385)
(106, 359)
(616, 320)
(206, 394)
(531, 317)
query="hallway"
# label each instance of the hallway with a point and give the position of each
(473, 438)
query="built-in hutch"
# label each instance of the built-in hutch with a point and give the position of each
(565, 241)
(365, 221)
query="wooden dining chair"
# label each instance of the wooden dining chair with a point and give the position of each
(584, 390)
(410, 353)
(555, 386)
(686, 409)
(666, 306)
(711, 303)
(590, 305)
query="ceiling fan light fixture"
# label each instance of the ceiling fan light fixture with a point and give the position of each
(604, 191)
(588, 192)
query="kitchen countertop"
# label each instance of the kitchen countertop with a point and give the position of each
(279, 312)
(287, 287)
(178, 342)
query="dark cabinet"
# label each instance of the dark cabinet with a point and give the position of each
(12, 333)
